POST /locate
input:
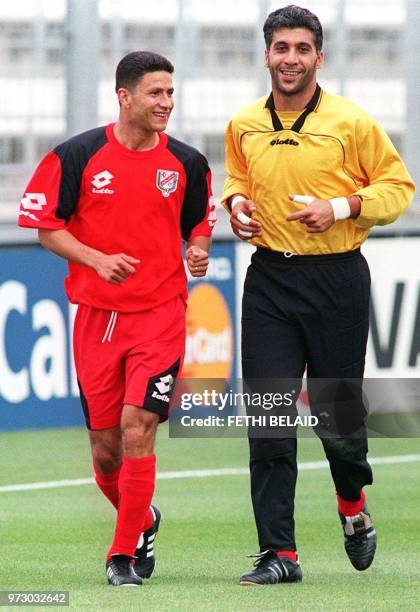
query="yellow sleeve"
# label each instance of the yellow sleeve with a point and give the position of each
(389, 189)
(236, 169)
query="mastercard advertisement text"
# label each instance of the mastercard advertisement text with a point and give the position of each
(211, 319)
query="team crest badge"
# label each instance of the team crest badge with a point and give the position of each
(167, 181)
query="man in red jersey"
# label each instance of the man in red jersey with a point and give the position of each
(117, 202)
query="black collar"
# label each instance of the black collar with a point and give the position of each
(297, 126)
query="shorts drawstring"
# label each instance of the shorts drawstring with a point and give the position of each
(110, 327)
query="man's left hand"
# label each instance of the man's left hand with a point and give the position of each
(197, 261)
(318, 216)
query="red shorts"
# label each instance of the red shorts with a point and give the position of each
(127, 358)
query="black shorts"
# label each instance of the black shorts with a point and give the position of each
(305, 311)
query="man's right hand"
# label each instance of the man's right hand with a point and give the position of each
(115, 269)
(241, 222)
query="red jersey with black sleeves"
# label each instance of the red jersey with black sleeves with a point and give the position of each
(117, 200)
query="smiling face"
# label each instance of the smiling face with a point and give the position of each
(293, 60)
(147, 105)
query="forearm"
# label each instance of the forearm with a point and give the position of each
(236, 169)
(203, 242)
(64, 244)
(383, 204)
(355, 204)
(114, 268)
(390, 188)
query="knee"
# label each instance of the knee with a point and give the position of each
(106, 458)
(138, 434)
(345, 449)
(137, 440)
(262, 449)
(133, 434)
(106, 462)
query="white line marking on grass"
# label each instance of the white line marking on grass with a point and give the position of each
(307, 465)
(51, 484)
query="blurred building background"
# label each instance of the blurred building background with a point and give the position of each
(57, 64)
(58, 57)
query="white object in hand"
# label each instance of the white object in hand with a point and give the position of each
(243, 218)
(303, 199)
(236, 199)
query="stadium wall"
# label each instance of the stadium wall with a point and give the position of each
(38, 385)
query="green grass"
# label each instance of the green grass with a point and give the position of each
(55, 539)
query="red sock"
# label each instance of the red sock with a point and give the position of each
(291, 554)
(108, 484)
(136, 486)
(351, 508)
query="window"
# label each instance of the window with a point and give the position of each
(11, 150)
(226, 47)
(159, 39)
(15, 33)
(375, 45)
(55, 57)
(43, 144)
(55, 31)
(214, 148)
(397, 141)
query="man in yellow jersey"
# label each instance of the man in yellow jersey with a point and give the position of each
(309, 173)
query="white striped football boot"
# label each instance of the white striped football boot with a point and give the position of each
(144, 563)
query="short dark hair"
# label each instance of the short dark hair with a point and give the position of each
(293, 16)
(136, 64)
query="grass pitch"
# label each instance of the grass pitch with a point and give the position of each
(56, 539)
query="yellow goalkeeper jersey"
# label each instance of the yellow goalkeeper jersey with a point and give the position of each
(331, 149)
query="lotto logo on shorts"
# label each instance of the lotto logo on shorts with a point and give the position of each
(164, 386)
(167, 181)
(160, 389)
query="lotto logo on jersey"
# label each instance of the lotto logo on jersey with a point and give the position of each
(32, 201)
(100, 182)
(167, 181)
(212, 218)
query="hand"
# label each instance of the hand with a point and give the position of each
(197, 261)
(115, 269)
(241, 222)
(318, 215)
